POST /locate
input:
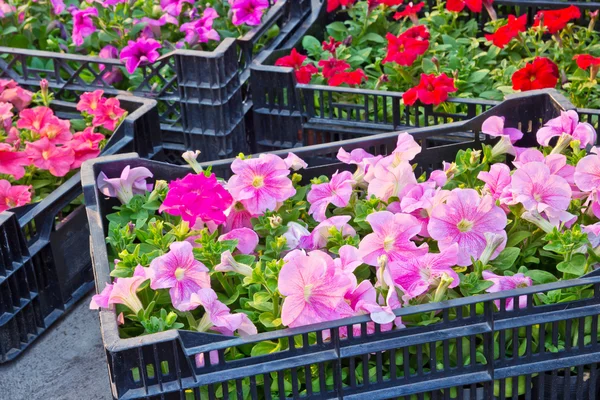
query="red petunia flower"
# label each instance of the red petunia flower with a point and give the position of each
(584, 61)
(331, 46)
(349, 78)
(296, 60)
(431, 90)
(410, 11)
(333, 66)
(508, 32)
(390, 3)
(556, 20)
(406, 48)
(333, 5)
(542, 73)
(459, 5)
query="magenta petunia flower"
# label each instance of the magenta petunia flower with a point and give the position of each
(247, 239)
(537, 189)
(464, 219)
(567, 124)
(392, 234)
(337, 192)
(321, 233)
(502, 283)
(12, 162)
(141, 51)
(131, 182)
(83, 25)
(197, 198)
(497, 182)
(218, 317)
(174, 7)
(314, 290)
(248, 12)
(13, 196)
(201, 30)
(417, 275)
(114, 74)
(389, 180)
(46, 155)
(181, 273)
(259, 183)
(58, 6)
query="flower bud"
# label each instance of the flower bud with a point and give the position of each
(504, 146)
(535, 218)
(294, 233)
(445, 281)
(160, 187)
(229, 264)
(348, 41)
(493, 242)
(563, 142)
(190, 158)
(275, 221)
(171, 318)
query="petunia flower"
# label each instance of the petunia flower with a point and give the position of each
(362, 301)
(363, 161)
(405, 48)
(138, 52)
(296, 60)
(337, 192)
(230, 264)
(102, 300)
(13, 196)
(542, 73)
(247, 239)
(392, 236)
(593, 233)
(587, 173)
(556, 20)
(331, 45)
(313, 288)
(108, 114)
(46, 155)
(218, 317)
(388, 180)
(90, 101)
(294, 233)
(236, 217)
(181, 273)
(124, 291)
(248, 12)
(430, 90)
(494, 126)
(497, 182)
(415, 276)
(508, 32)
(85, 146)
(174, 7)
(464, 219)
(322, 232)
(332, 5)
(131, 182)
(83, 25)
(294, 162)
(419, 200)
(10, 92)
(201, 30)
(351, 78)
(259, 183)
(58, 6)
(567, 124)
(35, 119)
(502, 283)
(12, 162)
(113, 74)
(57, 131)
(410, 11)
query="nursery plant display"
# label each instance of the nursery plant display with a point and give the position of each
(264, 249)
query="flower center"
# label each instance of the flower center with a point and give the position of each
(430, 87)
(465, 225)
(522, 285)
(258, 181)
(307, 291)
(179, 274)
(45, 154)
(538, 197)
(388, 243)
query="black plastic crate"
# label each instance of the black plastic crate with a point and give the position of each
(202, 106)
(287, 114)
(45, 264)
(162, 366)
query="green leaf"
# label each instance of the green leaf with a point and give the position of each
(269, 320)
(428, 66)
(18, 41)
(478, 76)
(540, 277)
(574, 267)
(517, 238)
(372, 37)
(311, 45)
(264, 348)
(506, 258)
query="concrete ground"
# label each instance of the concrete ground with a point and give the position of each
(66, 363)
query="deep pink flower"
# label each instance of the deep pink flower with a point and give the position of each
(337, 192)
(218, 317)
(321, 233)
(416, 275)
(83, 25)
(197, 197)
(464, 219)
(12, 162)
(131, 182)
(248, 12)
(567, 124)
(497, 182)
(58, 131)
(46, 155)
(113, 74)
(85, 146)
(108, 114)
(90, 101)
(174, 7)
(259, 183)
(10, 92)
(388, 180)
(392, 234)
(13, 196)
(537, 189)
(502, 283)
(58, 6)
(247, 239)
(141, 51)
(35, 119)
(201, 30)
(181, 273)
(314, 289)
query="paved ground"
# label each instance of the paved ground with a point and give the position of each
(66, 363)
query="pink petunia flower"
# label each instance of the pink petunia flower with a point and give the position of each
(141, 51)
(314, 290)
(90, 101)
(418, 201)
(337, 192)
(102, 300)
(131, 182)
(83, 25)
(85, 146)
(230, 264)
(593, 233)
(587, 173)
(35, 119)
(363, 161)
(406, 148)
(201, 30)
(181, 273)
(362, 301)
(567, 124)
(259, 183)
(113, 74)
(247, 239)
(295, 232)
(248, 12)
(218, 317)
(13, 196)
(197, 198)
(294, 162)
(46, 155)
(497, 182)
(464, 219)
(417, 275)
(58, 131)
(58, 6)
(502, 283)
(108, 114)
(237, 217)
(10, 92)
(174, 7)
(152, 29)
(321, 233)
(392, 234)
(12, 162)
(494, 126)
(389, 180)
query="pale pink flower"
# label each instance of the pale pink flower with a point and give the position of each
(218, 317)
(464, 219)
(587, 173)
(46, 155)
(497, 182)
(321, 233)
(141, 51)
(181, 273)
(364, 162)
(294, 233)
(6, 9)
(58, 6)
(247, 239)
(294, 162)
(131, 182)
(236, 217)
(502, 283)
(389, 180)
(593, 232)
(102, 300)
(406, 148)
(392, 234)
(537, 189)
(418, 201)
(124, 291)
(314, 290)
(337, 192)
(494, 126)
(13, 196)
(248, 12)
(12, 162)
(349, 259)
(83, 25)
(417, 275)
(260, 183)
(567, 124)
(230, 264)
